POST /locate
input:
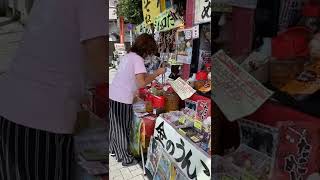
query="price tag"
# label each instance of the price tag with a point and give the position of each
(182, 119)
(198, 124)
(195, 32)
(182, 132)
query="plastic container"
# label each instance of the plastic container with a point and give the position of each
(201, 76)
(292, 43)
(158, 102)
(171, 102)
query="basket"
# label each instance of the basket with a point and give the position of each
(171, 102)
(292, 43)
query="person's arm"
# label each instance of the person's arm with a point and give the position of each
(144, 79)
(97, 49)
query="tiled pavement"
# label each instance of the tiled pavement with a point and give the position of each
(118, 172)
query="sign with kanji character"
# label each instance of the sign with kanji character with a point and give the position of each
(143, 28)
(193, 162)
(168, 20)
(202, 11)
(151, 9)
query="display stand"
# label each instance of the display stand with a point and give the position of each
(188, 157)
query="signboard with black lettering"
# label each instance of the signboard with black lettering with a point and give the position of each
(194, 163)
(165, 21)
(168, 20)
(202, 11)
(151, 9)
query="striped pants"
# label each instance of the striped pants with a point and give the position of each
(30, 154)
(120, 116)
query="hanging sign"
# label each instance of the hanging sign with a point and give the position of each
(151, 9)
(168, 20)
(143, 28)
(202, 11)
(164, 22)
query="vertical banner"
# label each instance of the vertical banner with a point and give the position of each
(151, 9)
(189, 13)
(202, 11)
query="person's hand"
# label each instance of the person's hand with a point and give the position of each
(161, 71)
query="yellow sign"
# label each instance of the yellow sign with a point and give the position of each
(198, 124)
(182, 119)
(168, 20)
(151, 9)
(163, 22)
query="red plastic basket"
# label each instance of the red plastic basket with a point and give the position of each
(292, 43)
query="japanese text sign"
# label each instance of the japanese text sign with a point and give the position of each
(237, 93)
(202, 11)
(193, 162)
(168, 20)
(151, 9)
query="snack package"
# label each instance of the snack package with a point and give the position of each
(299, 150)
(307, 82)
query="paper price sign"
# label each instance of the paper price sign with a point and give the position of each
(182, 119)
(195, 34)
(197, 124)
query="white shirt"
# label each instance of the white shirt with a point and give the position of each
(46, 80)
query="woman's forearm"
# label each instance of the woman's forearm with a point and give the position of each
(150, 77)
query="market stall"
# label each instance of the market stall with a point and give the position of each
(180, 99)
(265, 93)
(191, 124)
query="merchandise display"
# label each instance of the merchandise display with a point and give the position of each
(266, 90)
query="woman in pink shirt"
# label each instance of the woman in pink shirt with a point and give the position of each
(131, 75)
(41, 92)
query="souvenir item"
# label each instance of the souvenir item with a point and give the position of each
(299, 150)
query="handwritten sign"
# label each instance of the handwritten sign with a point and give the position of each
(182, 88)
(151, 9)
(202, 11)
(143, 28)
(165, 21)
(203, 109)
(236, 92)
(193, 163)
(168, 20)
(298, 150)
